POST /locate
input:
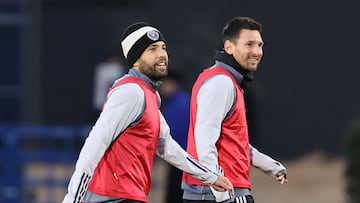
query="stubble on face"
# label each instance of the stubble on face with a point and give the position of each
(156, 71)
(154, 61)
(248, 49)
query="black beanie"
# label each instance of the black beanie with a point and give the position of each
(136, 38)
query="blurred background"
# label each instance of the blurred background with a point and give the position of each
(302, 105)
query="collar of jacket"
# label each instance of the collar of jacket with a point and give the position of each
(247, 76)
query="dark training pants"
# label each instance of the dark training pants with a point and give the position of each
(131, 201)
(243, 199)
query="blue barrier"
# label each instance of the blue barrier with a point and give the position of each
(44, 149)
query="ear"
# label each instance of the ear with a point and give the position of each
(228, 47)
(136, 65)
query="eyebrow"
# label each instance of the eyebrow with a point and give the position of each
(152, 46)
(253, 41)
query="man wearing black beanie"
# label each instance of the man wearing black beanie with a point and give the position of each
(116, 160)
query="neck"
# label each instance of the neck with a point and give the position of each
(230, 60)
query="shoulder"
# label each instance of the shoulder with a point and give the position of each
(219, 82)
(128, 90)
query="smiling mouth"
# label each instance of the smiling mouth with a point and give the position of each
(254, 61)
(161, 65)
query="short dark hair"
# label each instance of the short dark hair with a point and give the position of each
(234, 26)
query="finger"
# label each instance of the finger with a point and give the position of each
(232, 192)
(281, 179)
(217, 188)
(229, 185)
(224, 182)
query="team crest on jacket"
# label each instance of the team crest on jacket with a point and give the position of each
(153, 35)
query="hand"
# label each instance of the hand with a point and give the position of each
(222, 184)
(281, 177)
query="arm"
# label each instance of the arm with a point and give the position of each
(125, 100)
(171, 151)
(215, 99)
(268, 165)
(214, 102)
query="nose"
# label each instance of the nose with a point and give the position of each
(163, 52)
(258, 51)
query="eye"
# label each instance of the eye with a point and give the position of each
(152, 48)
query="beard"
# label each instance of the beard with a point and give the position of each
(151, 71)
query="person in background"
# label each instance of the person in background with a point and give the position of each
(115, 162)
(218, 133)
(176, 106)
(176, 109)
(106, 72)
